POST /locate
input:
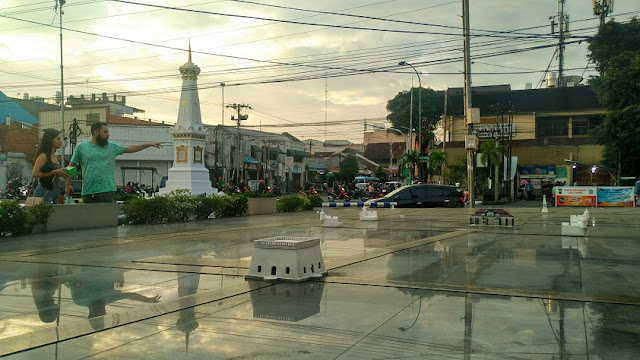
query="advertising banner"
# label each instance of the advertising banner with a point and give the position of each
(576, 196)
(615, 196)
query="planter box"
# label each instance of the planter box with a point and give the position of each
(262, 206)
(81, 216)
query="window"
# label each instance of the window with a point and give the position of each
(553, 126)
(582, 126)
(91, 119)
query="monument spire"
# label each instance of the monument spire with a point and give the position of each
(189, 138)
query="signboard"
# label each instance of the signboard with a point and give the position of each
(615, 196)
(576, 196)
(288, 162)
(485, 131)
(316, 164)
(537, 171)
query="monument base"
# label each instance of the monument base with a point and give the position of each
(196, 180)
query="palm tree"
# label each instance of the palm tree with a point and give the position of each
(493, 154)
(409, 160)
(437, 159)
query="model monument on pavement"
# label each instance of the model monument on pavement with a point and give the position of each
(188, 170)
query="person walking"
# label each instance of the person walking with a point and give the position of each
(46, 168)
(529, 187)
(97, 159)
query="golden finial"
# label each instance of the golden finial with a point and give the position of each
(189, 50)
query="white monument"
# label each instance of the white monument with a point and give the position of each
(189, 139)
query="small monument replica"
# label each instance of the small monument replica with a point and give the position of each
(188, 170)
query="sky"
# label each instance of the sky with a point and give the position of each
(317, 70)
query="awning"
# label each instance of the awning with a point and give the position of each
(274, 150)
(255, 148)
(299, 153)
(250, 159)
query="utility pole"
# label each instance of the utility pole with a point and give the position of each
(563, 30)
(222, 87)
(444, 133)
(59, 4)
(602, 8)
(467, 96)
(238, 108)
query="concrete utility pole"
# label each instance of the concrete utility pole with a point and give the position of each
(222, 87)
(240, 117)
(563, 30)
(467, 95)
(602, 8)
(59, 4)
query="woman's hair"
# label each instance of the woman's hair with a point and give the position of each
(46, 143)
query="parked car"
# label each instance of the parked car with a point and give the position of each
(425, 195)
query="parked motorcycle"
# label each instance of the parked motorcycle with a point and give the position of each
(360, 194)
(343, 195)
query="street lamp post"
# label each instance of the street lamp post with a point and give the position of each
(404, 63)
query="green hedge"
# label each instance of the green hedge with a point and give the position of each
(298, 202)
(15, 219)
(179, 205)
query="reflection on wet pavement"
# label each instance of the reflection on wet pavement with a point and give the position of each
(416, 284)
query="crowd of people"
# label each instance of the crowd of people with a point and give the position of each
(242, 187)
(137, 189)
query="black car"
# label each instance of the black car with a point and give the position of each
(425, 195)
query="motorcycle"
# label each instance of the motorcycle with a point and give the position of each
(360, 194)
(343, 195)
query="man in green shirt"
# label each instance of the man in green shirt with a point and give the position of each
(97, 158)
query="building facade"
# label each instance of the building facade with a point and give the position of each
(541, 129)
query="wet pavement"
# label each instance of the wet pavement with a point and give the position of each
(417, 284)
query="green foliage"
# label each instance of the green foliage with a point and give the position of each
(292, 203)
(349, 168)
(17, 220)
(314, 202)
(180, 205)
(380, 173)
(125, 197)
(435, 162)
(231, 206)
(206, 206)
(409, 160)
(147, 211)
(492, 153)
(432, 108)
(457, 172)
(253, 194)
(615, 50)
(620, 135)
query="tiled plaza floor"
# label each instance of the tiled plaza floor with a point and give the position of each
(417, 284)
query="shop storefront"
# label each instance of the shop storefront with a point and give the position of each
(541, 177)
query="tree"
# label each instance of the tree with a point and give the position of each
(349, 168)
(432, 107)
(493, 153)
(380, 173)
(436, 160)
(615, 50)
(409, 160)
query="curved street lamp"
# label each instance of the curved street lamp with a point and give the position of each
(404, 63)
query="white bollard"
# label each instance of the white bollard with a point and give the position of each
(544, 204)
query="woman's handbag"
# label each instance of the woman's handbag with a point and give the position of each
(32, 201)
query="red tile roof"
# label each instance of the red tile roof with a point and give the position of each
(18, 140)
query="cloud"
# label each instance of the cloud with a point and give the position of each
(223, 47)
